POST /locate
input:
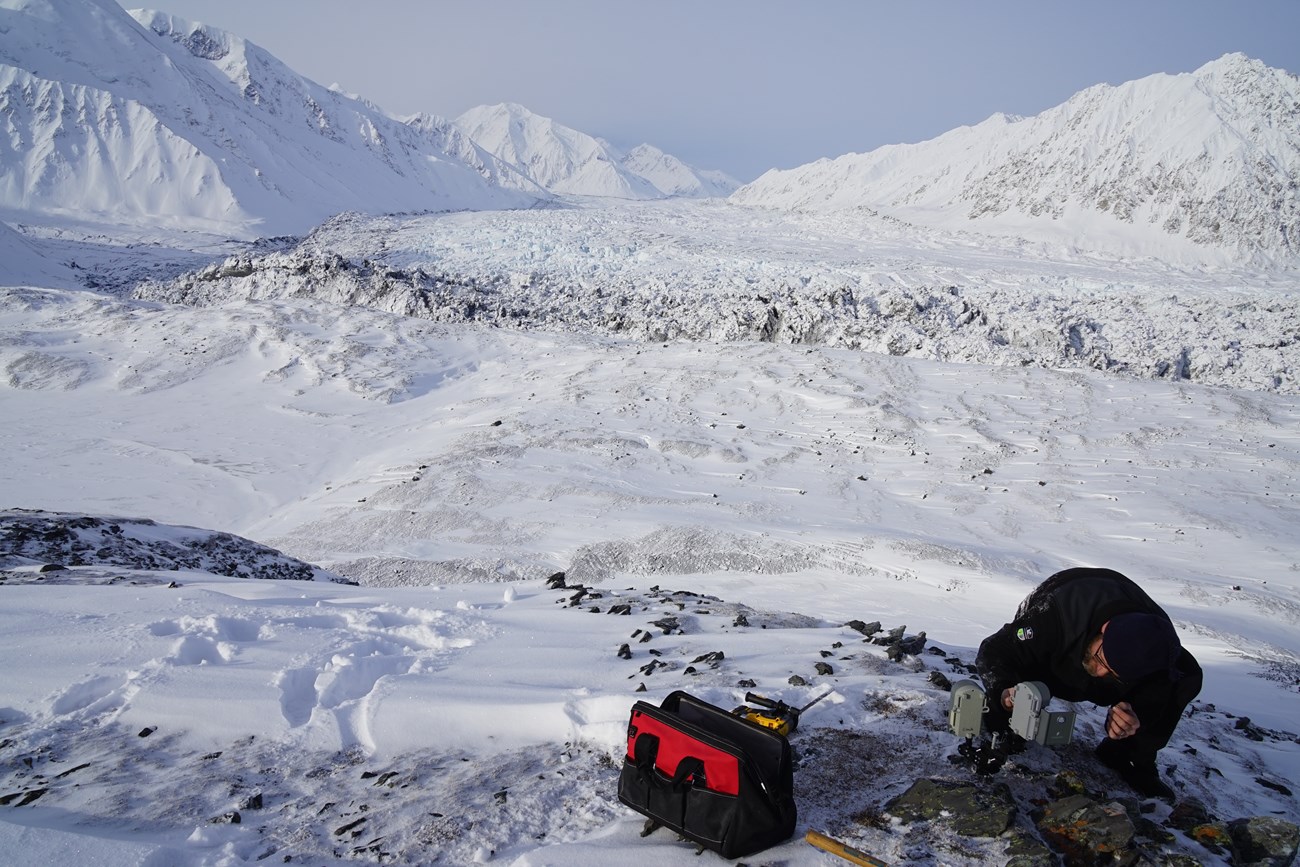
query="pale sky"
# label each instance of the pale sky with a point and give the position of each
(748, 85)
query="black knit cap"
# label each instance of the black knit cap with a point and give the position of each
(1139, 645)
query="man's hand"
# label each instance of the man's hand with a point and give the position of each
(1009, 697)
(1121, 721)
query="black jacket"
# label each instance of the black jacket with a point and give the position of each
(1048, 638)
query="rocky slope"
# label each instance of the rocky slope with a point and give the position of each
(56, 546)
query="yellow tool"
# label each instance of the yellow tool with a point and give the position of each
(776, 715)
(848, 853)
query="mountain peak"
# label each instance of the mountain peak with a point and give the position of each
(154, 119)
(1167, 165)
(566, 161)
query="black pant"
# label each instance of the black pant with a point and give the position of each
(1159, 705)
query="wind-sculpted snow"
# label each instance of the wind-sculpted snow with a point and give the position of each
(715, 273)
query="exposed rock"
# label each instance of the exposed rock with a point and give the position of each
(1188, 813)
(940, 680)
(971, 810)
(867, 629)
(1027, 851)
(669, 625)
(136, 543)
(1264, 841)
(893, 636)
(914, 645)
(1066, 783)
(1213, 836)
(1086, 832)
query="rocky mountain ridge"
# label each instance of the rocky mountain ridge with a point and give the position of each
(155, 120)
(1203, 159)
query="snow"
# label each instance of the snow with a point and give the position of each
(764, 417)
(452, 708)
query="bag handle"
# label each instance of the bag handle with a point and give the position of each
(690, 769)
(645, 749)
(690, 772)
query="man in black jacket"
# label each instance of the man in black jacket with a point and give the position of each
(1093, 635)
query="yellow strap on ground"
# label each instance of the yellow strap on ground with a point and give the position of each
(848, 853)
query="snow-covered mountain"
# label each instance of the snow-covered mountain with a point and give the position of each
(1209, 158)
(674, 177)
(155, 120)
(569, 162)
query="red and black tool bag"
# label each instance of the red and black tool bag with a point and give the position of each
(717, 779)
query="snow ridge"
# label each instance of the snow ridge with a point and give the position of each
(1208, 158)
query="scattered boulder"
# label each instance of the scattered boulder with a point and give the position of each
(867, 629)
(669, 625)
(1188, 813)
(938, 679)
(893, 636)
(912, 646)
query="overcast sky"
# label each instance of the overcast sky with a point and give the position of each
(748, 85)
